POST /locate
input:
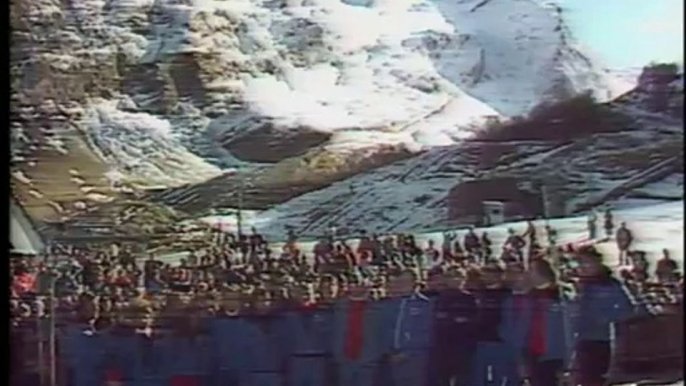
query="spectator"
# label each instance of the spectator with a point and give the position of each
(591, 223)
(602, 301)
(546, 343)
(453, 339)
(666, 270)
(472, 244)
(624, 239)
(410, 314)
(492, 362)
(356, 332)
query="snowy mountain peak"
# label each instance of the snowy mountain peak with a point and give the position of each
(292, 75)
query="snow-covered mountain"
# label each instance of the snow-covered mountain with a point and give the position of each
(170, 92)
(629, 155)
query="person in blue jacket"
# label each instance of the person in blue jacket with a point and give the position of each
(408, 319)
(310, 325)
(602, 300)
(357, 328)
(228, 344)
(267, 344)
(83, 347)
(185, 351)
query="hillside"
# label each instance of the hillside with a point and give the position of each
(618, 153)
(152, 94)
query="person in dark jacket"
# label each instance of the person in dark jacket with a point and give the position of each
(666, 270)
(453, 334)
(602, 301)
(486, 245)
(530, 232)
(545, 336)
(609, 224)
(268, 345)
(591, 224)
(491, 364)
(472, 244)
(624, 239)
(310, 327)
(516, 244)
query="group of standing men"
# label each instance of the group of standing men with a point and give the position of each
(490, 327)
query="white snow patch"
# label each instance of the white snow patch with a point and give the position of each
(21, 177)
(142, 147)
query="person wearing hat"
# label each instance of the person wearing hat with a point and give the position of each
(602, 300)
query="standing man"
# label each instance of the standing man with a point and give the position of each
(228, 344)
(472, 244)
(311, 326)
(492, 364)
(545, 344)
(666, 270)
(591, 222)
(409, 321)
(357, 332)
(602, 301)
(453, 340)
(267, 344)
(624, 239)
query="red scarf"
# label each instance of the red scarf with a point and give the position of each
(355, 335)
(537, 336)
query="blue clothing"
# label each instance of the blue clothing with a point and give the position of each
(267, 345)
(411, 368)
(85, 355)
(149, 362)
(411, 320)
(494, 365)
(600, 304)
(228, 346)
(311, 331)
(311, 334)
(308, 371)
(263, 379)
(356, 373)
(122, 349)
(184, 355)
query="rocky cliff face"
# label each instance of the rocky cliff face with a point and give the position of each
(163, 93)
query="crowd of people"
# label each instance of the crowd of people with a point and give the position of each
(386, 312)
